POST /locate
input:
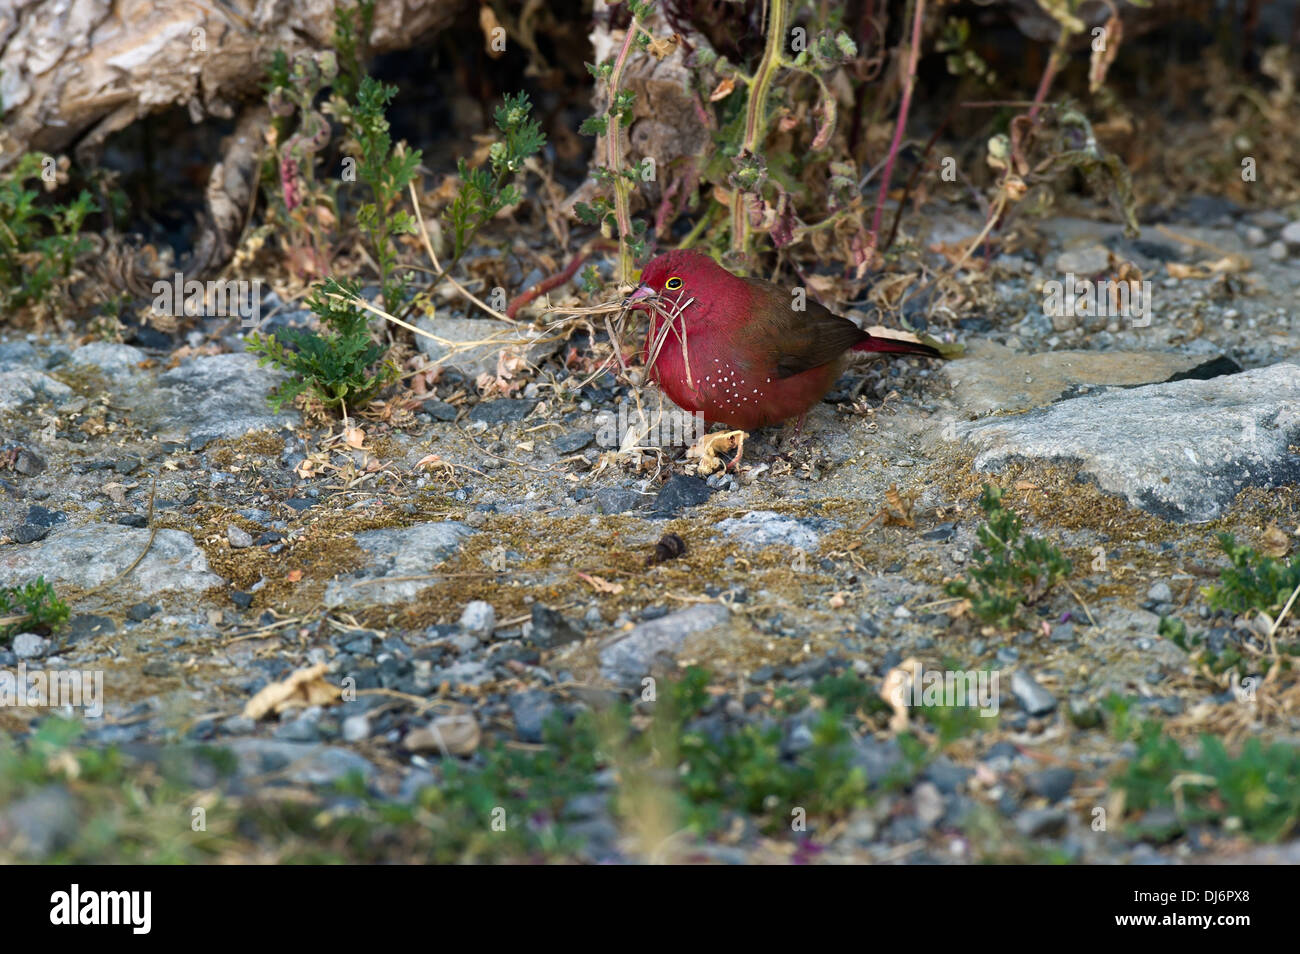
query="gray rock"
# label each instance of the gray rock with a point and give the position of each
(1084, 262)
(1033, 698)
(23, 386)
(91, 555)
(928, 803)
(876, 759)
(356, 728)
(1160, 592)
(238, 537)
(479, 619)
(114, 360)
(501, 410)
(764, 528)
(630, 658)
(216, 396)
(40, 823)
(572, 442)
(531, 709)
(300, 762)
(947, 775)
(238, 725)
(1181, 450)
(466, 672)
(302, 729)
(681, 491)
(548, 628)
(139, 612)
(481, 359)
(1278, 251)
(30, 646)
(397, 552)
(1052, 784)
(1042, 823)
(16, 354)
(993, 378)
(29, 463)
(29, 533)
(1291, 235)
(87, 626)
(614, 500)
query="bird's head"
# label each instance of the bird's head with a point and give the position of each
(677, 277)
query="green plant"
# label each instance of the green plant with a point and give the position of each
(337, 366)
(1253, 792)
(485, 191)
(38, 245)
(386, 169)
(34, 606)
(1194, 644)
(1253, 582)
(352, 26)
(610, 124)
(304, 205)
(1010, 571)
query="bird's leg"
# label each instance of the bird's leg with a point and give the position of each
(709, 448)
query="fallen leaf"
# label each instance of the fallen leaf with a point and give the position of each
(708, 447)
(897, 510)
(1227, 265)
(492, 31)
(1275, 542)
(600, 585)
(117, 492)
(659, 47)
(306, 687)
(724, 89)
(893, 690)
(446, 735)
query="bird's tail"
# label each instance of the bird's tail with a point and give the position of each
(894, 346)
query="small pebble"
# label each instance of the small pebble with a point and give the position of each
(479, 619)
(1160, 592)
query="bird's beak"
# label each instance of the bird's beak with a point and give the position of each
(642, 293)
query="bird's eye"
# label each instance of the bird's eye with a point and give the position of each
(673, 283)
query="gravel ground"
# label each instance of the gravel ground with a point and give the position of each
(488, 646)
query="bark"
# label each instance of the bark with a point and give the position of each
(74, 72)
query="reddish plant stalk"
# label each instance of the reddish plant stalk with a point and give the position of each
(909, 84)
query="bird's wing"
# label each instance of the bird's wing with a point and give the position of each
(797, 341)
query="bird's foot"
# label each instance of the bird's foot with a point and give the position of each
(709, 448)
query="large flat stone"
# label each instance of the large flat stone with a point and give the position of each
(1181, 450)
(994, 378)
(216, 396)
(629, 659)
(23, 386)
(396, 553)
(89, 556)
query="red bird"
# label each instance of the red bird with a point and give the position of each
(737, 350)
